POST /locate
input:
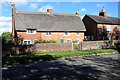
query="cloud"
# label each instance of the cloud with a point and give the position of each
(33, 6)
(83, 10)
(2, 18)
(5, 27)
(39, 0)
(44, 8)
(17, 0)
(100, 5)
(5, 24)
(5, 30)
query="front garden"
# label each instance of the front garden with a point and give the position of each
(22, 59)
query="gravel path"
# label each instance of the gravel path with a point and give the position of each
(89, 68)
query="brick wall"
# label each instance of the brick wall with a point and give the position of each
(61, 35)
(31, 37)
(87, 45)
(53, 47)
(45, 48)
(91, 27)
(54, 36)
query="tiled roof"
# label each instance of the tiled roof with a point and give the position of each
(48, 21)
(105, 20)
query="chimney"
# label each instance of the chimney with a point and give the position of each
(49, 10)
(13, 21)
(103, 13)
(13, 9)
(77, 13)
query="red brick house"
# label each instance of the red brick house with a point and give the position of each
(33, 26)
(101, 27)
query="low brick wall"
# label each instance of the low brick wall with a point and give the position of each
(87, 45)
(62, 47)
(53, 47)
(44, 48)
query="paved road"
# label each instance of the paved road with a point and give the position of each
(89, 68)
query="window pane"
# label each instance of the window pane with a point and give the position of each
(28, 31)
(68, 40)
(46, 33)
(78, 33)
(49, 33)
(25, 42)
(66, 33)
(28, 42)
(31, 31)
(108, 27)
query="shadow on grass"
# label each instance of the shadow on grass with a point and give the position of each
(26, 59)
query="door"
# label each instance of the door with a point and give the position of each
(61, 40)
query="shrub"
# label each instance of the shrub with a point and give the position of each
(52, 41)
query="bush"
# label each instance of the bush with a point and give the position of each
(45, 41)
(52, 41)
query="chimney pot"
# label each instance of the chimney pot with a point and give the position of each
(103, 13)
(13, 5)
(77, 13)
(49, 10)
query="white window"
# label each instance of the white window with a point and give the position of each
(67, 34)
(78, 34)
(108, 27)
(31, 31)
(48, 33)
(68, 40)
(27, 42)
(78, 40)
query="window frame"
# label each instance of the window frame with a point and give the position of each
(70, 40)
(48, 33)
(78, 40)
(108, 27)
(31, 31)
(27, 42)
(68, 33)
(77, 33)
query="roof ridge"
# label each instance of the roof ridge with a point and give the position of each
(32, 12)
(101, 16)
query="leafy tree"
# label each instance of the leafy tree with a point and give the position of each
(6, 37)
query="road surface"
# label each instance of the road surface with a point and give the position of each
(89, 68)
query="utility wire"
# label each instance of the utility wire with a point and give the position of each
(37, 5)
(9, 4)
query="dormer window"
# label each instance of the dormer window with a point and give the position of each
(31, 31)
(48, 33)
(67, 34)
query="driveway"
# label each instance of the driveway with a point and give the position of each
(89, 68)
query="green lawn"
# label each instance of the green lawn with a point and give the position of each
(48, 56)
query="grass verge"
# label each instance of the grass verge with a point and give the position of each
(21, 59)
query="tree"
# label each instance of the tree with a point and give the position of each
(6, 38)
